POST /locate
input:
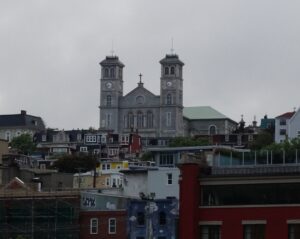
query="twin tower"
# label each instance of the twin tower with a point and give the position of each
(152, 116)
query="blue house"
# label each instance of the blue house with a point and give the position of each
(153, 218)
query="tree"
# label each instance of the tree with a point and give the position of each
(262, 140)
(74, 163)
(23, 143)
(186, 141)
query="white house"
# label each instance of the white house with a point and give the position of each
(287, 126)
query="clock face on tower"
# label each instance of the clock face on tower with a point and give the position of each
(169, 83)
(108, 85)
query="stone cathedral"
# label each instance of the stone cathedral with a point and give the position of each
(153, 116)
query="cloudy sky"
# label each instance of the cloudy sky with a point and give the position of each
(241, 56)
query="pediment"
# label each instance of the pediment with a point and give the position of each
(140, 97)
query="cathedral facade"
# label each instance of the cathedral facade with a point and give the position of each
(152, 116)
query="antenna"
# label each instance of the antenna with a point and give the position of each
(172, 48)
(112, 48)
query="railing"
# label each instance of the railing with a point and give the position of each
(256, 158)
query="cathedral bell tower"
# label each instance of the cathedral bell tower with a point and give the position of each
(111, 89)
(171, 98)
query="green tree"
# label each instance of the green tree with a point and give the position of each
(187, 141)
(23, 143)
(74, 163)
(262, 140)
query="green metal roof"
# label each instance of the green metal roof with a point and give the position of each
(202, 113)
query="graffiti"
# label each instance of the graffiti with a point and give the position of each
(88, 202)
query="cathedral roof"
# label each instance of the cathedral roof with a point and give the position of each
(171, 59)
(111, 60)
(202, 113)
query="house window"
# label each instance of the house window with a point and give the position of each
(294, 231)
(140, 218)
(112, 226)
(166, 70)
(169, 99)
(83, 149)
(210, 232)
(108, 100)
(282, 132)
(282, 122)
(255, 231)
(168, 120)
(162, 218)
(94, 226)
(108, 182)
(170, 179)
(166, 160)
(78, 137)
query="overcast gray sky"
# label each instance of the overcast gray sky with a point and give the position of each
(241, 56)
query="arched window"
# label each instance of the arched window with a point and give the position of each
(166, 70)
(212, 129)
(169, 99)
(149, 119)
(106, 74)
(162, 218)
(130, 120)
(108, 100)
(172, 70)
(140, 119)
(112, 72)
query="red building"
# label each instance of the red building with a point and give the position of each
(241, 202)
(103, 216)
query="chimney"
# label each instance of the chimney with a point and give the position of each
(23, 112)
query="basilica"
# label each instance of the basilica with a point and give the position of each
(154, 116)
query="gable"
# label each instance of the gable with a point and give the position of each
(139, 98)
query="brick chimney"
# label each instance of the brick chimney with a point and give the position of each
(23, 112)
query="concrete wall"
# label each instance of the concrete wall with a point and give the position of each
(158, 182)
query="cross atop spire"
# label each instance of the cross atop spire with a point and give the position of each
(140, 83)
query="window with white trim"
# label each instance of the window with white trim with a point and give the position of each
(83, 149)
(294, 231)
(210, 232)
(94, 226)
(254, 231)
(112, 226)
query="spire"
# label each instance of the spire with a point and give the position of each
(140, 83)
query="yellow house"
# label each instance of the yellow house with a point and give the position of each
(103, 181)
(112, 166)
